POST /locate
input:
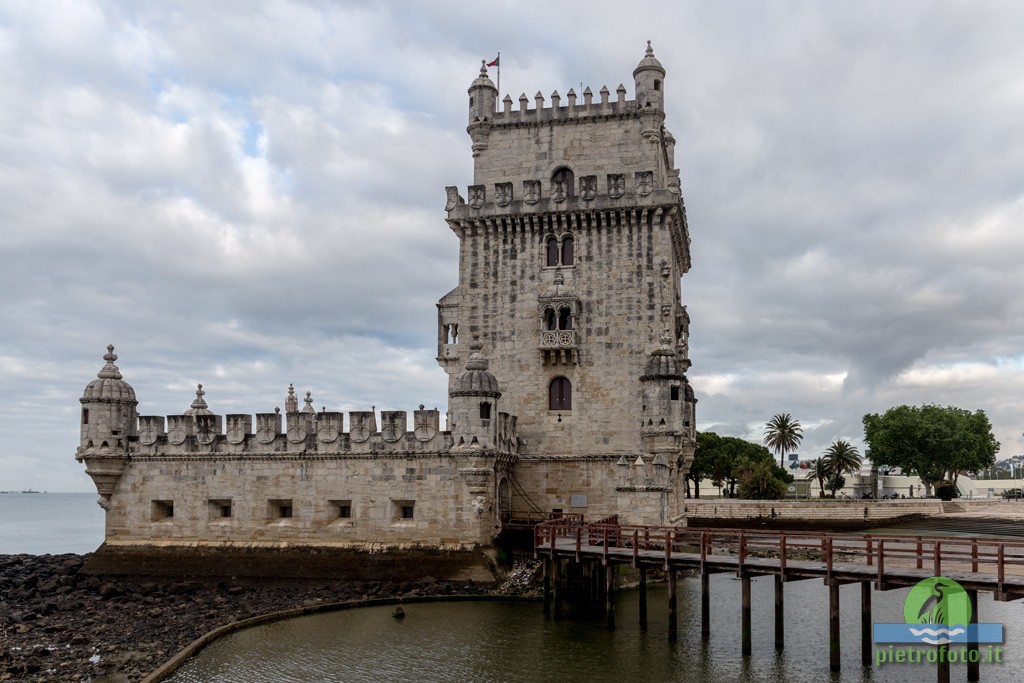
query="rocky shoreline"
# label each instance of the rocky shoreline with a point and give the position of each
(59, 623)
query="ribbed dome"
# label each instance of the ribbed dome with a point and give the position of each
(649, 62)
(476, 381)
(108, 385)
(199, 406)
(662, 363)
(483, 80)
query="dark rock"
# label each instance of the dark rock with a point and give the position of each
(108, 591)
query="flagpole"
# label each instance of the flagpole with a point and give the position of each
(499, 75)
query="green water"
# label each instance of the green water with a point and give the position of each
(495, 641)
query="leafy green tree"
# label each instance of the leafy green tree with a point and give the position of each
(933, 442)
(702, 466)
(783, 435)
(729, 460)
(836, 481)
(759, 480)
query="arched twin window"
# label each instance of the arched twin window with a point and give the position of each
(560, 394)
(558, 320)
(561, 254)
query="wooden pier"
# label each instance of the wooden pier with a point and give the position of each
(876, 562)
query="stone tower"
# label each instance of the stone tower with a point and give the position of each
(109, 420)
(573, 241)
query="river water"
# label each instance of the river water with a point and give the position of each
(54, 523)
(499, 641)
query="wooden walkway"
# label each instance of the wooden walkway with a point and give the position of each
(876, 562)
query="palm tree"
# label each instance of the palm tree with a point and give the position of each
(783, 434)
(842, 458)
(818, 469)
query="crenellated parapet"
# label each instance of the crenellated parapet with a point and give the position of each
(541, 195)
(559, 204)
(323, 433)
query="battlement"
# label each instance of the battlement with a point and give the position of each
(511, 114)
(563, 193)
(302, 433)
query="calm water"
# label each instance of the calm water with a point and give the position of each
(487, 641)
(54, 523)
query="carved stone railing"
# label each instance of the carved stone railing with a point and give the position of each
(558, 339)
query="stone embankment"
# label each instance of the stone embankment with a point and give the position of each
(59, 623)
(827, 514)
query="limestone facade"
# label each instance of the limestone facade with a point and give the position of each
(565, 342)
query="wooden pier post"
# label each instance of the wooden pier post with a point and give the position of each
(866, 640)
(556, 589)
(673, 615)
(780, 613)
(973, 660)
(942, 664)
(609, 595)
(833, 626)
(705, 605)
(745, 648)
(643, 598)
(546, 564)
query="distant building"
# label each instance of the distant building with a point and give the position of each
(565, 342)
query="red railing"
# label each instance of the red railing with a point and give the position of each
(985, 556)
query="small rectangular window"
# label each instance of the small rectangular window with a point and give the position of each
(341, 511)
(279, 508)
(675, 393)
(162, 510)
(85, 416)
(485, 410)
(403, 510)
(220, 508)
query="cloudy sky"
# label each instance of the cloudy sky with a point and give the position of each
(249, 194)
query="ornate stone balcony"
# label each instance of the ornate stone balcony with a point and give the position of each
(559, 347)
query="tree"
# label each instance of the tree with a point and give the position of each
(842, 457)
(702, 465)
(728, 460)
(818, 469)
(933, 442)
(783, 434)
(760, 481)
(836, 481)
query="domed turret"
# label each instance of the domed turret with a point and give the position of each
(483, 97)
(108, 407)
(663, 364)
(476, 380)
(483, 101)
(473, 404)
(109, 385)
(649, 78)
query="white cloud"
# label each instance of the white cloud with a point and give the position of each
(250, 194)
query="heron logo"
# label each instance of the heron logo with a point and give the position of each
(937, 611)
(941, 607)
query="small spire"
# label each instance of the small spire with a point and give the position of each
(650, 50)
(309, 403)
(199, 403)
(109, 371)
(483, 62)
(291, 403)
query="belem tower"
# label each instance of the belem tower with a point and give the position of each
(565, 345)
